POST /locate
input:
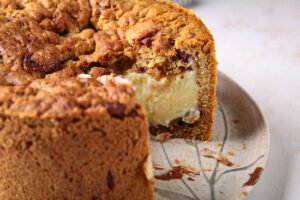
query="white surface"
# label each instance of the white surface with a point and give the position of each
(258, 45)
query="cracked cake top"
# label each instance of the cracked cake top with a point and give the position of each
(73, 97)
(62, 38)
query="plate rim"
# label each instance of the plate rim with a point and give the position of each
(264, 123)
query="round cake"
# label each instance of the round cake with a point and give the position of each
(164, 50)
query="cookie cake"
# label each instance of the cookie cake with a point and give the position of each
(83, 82)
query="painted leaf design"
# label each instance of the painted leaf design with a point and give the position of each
(206, 152)
(254, 176)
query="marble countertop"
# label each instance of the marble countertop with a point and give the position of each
(258, 45)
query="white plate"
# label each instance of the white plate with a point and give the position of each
(240, 135)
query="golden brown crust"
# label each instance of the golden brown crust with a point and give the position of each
(94, 157)
(60, 16)
(160, 37)
(67, 97)
(26, 46)
(74, 138)
(10, 77)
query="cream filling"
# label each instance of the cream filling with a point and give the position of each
(168, 98)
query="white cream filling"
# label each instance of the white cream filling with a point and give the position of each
(168, 98)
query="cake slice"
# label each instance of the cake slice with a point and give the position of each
(75, 138)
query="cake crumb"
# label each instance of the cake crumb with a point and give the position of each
(177, 172)
(244, 146)
(163, 137)
(178, 162)
(219, 145)
(157, 166)
(206, 152)
(245, 193)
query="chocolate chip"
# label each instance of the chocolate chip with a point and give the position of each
(181, 55)
(110, 181)
(115, 109)
(192, 34)
(95, 198)
(140, 69)
(175, 123)
(30, 65)
(19, 7)
(35, 66)
(172, 41)
(145, 38)
(146, 41)
(134, 142)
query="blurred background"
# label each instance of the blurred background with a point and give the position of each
(258, 45)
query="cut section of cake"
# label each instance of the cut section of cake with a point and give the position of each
(87, 138)
(173, 62)
(75, 138)
(168, 98)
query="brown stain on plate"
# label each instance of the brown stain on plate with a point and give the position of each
(206, 152)
(157, 166)
(254, 176)
(177, 172)
(245, 193)
(163, 137)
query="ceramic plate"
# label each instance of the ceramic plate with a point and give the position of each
(225, 168)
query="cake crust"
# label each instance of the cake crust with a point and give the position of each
(67, 98)
(117, 34)
(91, 144)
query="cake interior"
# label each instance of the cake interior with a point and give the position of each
(181, 100)
(168, 98)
